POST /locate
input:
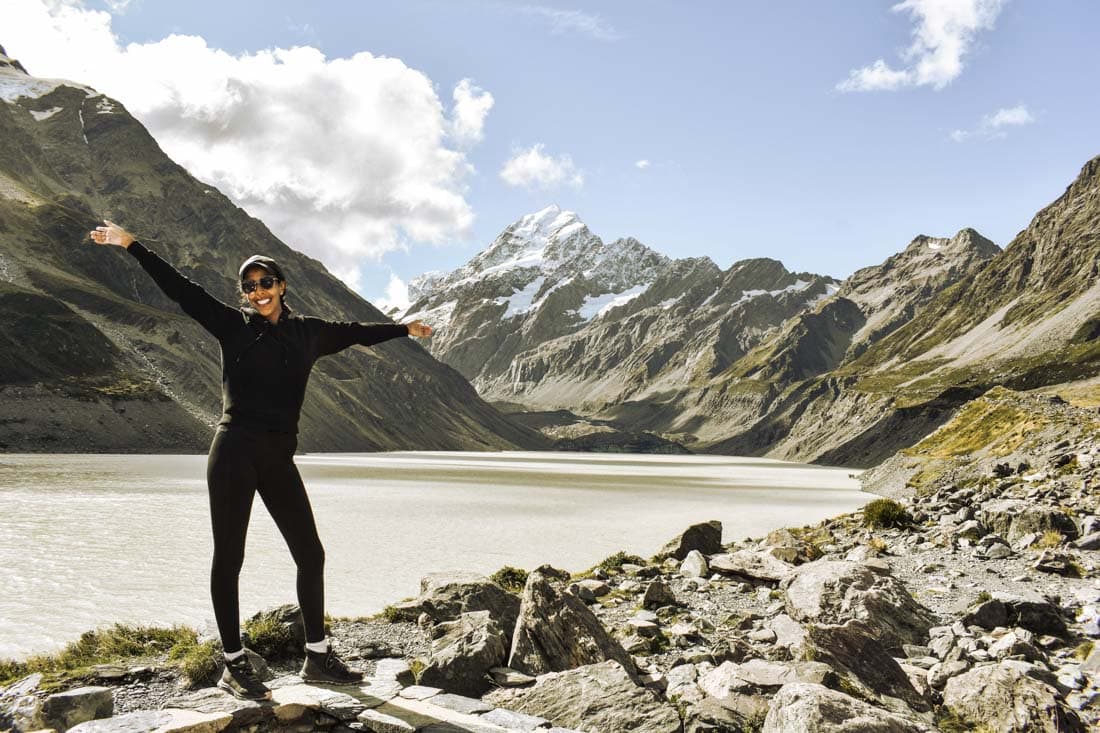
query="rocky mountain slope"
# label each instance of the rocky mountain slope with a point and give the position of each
(94, 357)
(760, 361)
(549, 317)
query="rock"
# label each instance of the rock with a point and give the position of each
(507, 677)
(556, 631)
(759, 676)
(392, 668)
(596, 587)
(1016, 644)
(1005, 700)
(378, 722)
(694, 565)
(853, 649)
(596, 697)
(725, 716)
(705, 538)
(463, 652)
(988, 614)
(802, 707)
(832, 592)
(446, 596)
(788, 547)
(752, 565)
(1034, 614)
(941, 672)
(289, 617)
(1057, 563)
(461, 703)
(997, 551)
(511, 720)
(971, 529)
(1088, 542)
(213, 700)
(1013, 518)
(658, 594)
(789, 634)
(156, 721)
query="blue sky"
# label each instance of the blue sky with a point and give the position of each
(753, 144)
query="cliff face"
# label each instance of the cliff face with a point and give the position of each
(96, 358)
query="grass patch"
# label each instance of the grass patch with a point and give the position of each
(983, 596)
(197, 661)
(614, 563)
(1083, 650)
(269, 637)
(878, 544)
(1051, 538)
(885, 513)
(117, 644)
(510, 579)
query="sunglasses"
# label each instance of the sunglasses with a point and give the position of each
(266, 283)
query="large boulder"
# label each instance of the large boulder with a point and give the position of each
(63, 710)
(1004, 699)
(853, 650)
(463, 652)
(596, 697)
(705, 538)
(751, 565)
(802, 707)
(761, 677)
(836, 591)
(1014, 518)
(713, 716)
(556, 631)
(446, 596)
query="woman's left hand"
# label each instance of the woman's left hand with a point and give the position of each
(419, 329)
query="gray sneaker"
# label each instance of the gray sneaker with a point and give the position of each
(240, 680)
(327, 668)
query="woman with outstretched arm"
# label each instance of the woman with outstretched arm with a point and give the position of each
(267, 353)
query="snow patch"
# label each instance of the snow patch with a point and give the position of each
(933, 245)
(84, 135)
(596, 306)
(45, 114)
(437, 317)
(666, 304)
(105, 107)
(13, 86)
(521, 301)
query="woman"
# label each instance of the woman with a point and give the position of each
(267, 352)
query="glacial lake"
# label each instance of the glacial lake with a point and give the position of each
(89, 540)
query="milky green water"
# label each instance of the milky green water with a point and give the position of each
(89, 540)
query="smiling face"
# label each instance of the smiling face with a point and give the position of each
(267, 302)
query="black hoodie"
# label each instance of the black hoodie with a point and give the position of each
(265, 365)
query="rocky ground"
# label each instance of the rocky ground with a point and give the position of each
(971, 606)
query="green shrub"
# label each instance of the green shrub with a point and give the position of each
(510, 579)
(269, 637)
(883, 513)
(198, 662)
(615, 562)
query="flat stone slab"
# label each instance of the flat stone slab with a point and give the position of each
(461, 703)
(423, 715)
(158, 721)
(292, 702)
(511, 720)
(215, 700)
(381, 723)
(419, 692)
(378, 691)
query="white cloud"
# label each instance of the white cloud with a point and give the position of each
(992, 126)
(563, 22)
(118, 7)
(944, 33)
(472, 105)
(342, 158)
(642, 164)
(532, 168)
(397, 295)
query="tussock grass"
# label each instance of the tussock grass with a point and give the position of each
(885, 513)
(510, 579)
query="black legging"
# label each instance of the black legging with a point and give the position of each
(243, 461)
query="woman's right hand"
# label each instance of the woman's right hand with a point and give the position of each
(112, 234)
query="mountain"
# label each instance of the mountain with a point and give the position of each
(550, 317)
(94, 357)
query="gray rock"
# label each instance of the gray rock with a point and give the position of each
(941, 672)
(802, 707)
(833, 592)
(597, 697)
(1033, 613)
(463, 652)
(694, 565)
(506, 677)
(1057, 563)
(461, 703)
(151, 721)
(1088, 542)
(853, 649)
(759, 676)
(997, 551)
(596, 587)
(512, 720)
(989, 615)
(725, 716)
(788, 632)
(556, 631)
(289, 617)
(1005, 700)
(446, 596)
(705, 538)
(1014, 518)
(658, 594)
(392, 668)
(214, 700)
(751, 564)
(378, 722)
